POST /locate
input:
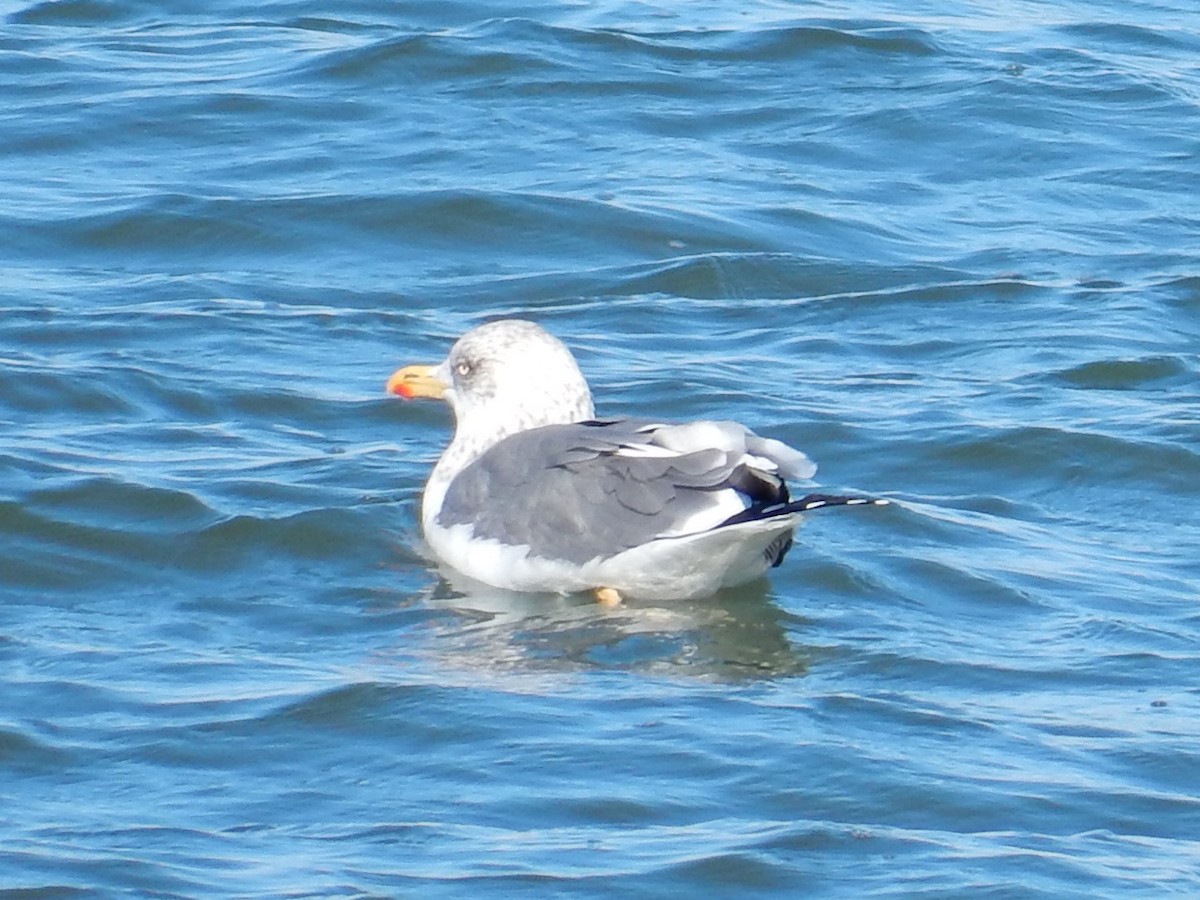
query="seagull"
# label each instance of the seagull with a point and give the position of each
(536, 494)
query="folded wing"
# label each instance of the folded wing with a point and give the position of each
(594, 489)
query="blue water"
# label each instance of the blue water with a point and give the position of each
(950, 249)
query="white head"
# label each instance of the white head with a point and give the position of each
(499, 378)
(514, 371)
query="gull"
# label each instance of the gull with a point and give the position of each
(535, 493)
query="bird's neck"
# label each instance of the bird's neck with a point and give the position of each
(479, 431)
(471, 440)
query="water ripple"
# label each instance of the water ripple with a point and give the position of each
(951, 256)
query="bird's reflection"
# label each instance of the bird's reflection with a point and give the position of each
(736, 635)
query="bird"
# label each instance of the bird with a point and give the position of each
(535, 493)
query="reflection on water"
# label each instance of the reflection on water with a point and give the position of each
(737, 634)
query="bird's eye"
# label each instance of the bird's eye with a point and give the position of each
(463, 369)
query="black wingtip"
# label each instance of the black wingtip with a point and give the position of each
(818, 501)
(804, 504)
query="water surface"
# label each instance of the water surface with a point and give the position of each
(949, 249)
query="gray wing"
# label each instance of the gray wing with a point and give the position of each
(594, 489)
